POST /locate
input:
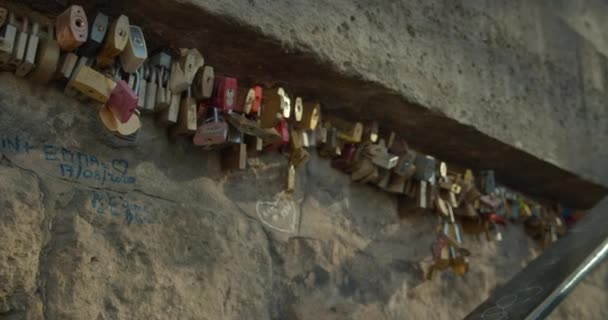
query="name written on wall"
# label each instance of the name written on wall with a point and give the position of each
(118, 206)
(72, 164)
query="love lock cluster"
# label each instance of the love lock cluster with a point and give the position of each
(107, 61)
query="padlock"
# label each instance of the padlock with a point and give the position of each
(8, 36)
(29, 59)
(252, 128)
(348, 131)
(47, 59)
(152, 87)
(72, 28)
(213, 132)
(204, 82)
(115, 42)
(97, 33)
(123, 100)
(94, 84)
(70, 89)
(399, 146)
(253, 100)
(234, 157)
(113, 124)
(186, 119)
(20, 44)
(305, 141)
(225, 89)
(298, 110)
(161, 59)
(184, 70)
(406, 166)
(362, 169)
(311, 114)
(136, 51)
(299, 155)
(487, 181)
(425, 167)
(234, 136)
(273, 103)
(170, 115)
(385, 160)
(67, 65)
(291, 179)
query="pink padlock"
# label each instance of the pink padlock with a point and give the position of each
(225, 93)
(123, 100)
(213, 132)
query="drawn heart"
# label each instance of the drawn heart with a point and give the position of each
(120, 165)
(280, 215)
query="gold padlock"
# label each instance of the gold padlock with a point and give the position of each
(8, 36)
(348, 131)
(169, 116)
(136, 51)
(311, 114)
(29, 59)
(298, 155)
(273, 103)
(72, 28)
(93, 84)
(115, 42)
(203, 83)
(47, 59)
(186, 120)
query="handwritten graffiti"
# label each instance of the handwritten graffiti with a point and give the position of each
(73, 164)
(280, 215)
(119, 206)
(500, 310)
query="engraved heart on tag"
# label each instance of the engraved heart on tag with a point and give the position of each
(280, 215)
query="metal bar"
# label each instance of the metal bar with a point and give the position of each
(536, 290)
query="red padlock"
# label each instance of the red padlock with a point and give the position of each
(123, 101)
(345, 161)
(283, 129)
(225, 93)
(213, 132)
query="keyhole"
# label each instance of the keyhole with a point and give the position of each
(79, 23)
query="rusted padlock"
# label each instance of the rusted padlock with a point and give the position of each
(213, 132)
(47, 59)
(136, 51)
(29, 58)
(115, 42)
(225, 93)
(72, 28)
(274, 102)
(97, 33)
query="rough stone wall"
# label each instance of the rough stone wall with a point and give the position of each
(529, 73)
(93, 229)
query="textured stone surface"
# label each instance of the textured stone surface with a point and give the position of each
(514, 86)
(185, 241)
